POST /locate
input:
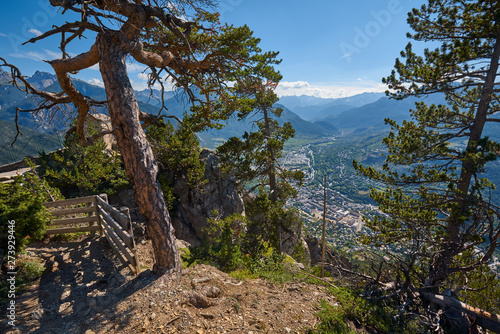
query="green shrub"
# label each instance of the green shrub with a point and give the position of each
(21, 203)
(351, 308)
(220, 244)
(81, 171)
(299, 253)
(168, 192)
(177, 151)
(332, 320)
(266, 221)
(28, 269)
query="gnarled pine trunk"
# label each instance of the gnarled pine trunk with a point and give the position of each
(138, 158)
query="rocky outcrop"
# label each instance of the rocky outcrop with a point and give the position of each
(331, 256)
(293, 242)
(194, 206)
(102, 123)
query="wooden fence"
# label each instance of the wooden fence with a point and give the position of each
(80, 214)
(117, 227)
(93, 213)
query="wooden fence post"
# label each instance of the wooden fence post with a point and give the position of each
(126, 211)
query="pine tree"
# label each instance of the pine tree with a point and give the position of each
(80, 170)
(254, 160)
(439, 222)
(199, 57)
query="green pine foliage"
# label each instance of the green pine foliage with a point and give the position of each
(235, 245)
(231, 55)
(439, 227)
(177, 151)
(21, 202)
(221, 243)
(79, 170)
(267, 220)
(254, 158)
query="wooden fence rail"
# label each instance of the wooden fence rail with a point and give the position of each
(93, 213)
(117, 227)
(81, 213)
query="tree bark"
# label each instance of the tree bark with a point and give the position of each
(481, 318)
(273, 188)
(136, 152)
(440, 268)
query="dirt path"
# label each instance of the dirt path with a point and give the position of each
(76, 272)
(83, 291)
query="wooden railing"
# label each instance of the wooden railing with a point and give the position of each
(117, 227)
(80, 213)
(93, 213)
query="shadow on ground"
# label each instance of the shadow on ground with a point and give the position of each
(83, 281)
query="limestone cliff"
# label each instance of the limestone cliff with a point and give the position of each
(194, 206)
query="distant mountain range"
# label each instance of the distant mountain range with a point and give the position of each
(32, 142)
(149, 101)
(310, 116)
(361, 112)
(372, 115)
(41, 80)
(312, 108)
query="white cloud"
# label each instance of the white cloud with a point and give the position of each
(37, 56)
(2, 35)
(331, 90)
(33, 55)
(294, 84)
(96, 82)
(35, 32)
(142, 76)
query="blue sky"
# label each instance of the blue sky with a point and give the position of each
(331, 48)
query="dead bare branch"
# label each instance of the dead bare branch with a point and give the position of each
(484, 319)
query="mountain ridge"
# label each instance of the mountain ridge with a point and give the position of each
(322, 108)
(11, 97)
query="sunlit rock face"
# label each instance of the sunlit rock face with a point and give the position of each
(194, 206)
